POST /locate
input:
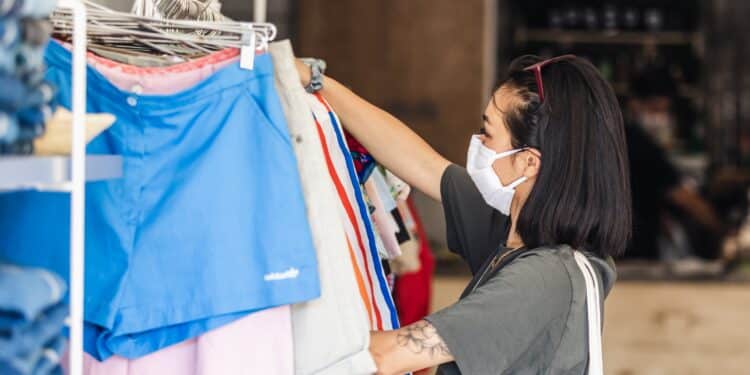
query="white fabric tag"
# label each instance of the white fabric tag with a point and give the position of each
(247, 52)
(596, 365)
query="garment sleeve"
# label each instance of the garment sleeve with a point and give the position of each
(474, 229)
(519, 313)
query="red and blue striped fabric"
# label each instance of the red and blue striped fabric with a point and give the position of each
(355, 212)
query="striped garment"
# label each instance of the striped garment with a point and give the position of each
(359, 227)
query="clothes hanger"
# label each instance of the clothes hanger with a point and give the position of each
(151, 40)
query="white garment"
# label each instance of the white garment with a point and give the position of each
(593, 313)
(331, 334)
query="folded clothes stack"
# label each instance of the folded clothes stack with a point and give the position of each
(26, 100)
(32, 318)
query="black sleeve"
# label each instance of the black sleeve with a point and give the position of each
(474, 229)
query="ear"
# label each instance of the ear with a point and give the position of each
(532, 159)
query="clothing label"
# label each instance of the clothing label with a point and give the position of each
(291, 273)
(247, 52)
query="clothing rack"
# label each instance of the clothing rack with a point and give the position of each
(260, 10)
(78, 188)
(70, 174)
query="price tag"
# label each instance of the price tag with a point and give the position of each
(247, 52)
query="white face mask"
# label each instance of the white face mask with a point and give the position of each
(479, 165)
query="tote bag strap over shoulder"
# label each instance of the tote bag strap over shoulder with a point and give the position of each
(596, 365)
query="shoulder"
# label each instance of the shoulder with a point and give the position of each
(542, 273)
(549, 261)
(558, 263)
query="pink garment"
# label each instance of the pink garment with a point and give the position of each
(161, 80)
(383, 221)
(260, 343)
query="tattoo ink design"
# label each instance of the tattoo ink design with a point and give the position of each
(422, 337)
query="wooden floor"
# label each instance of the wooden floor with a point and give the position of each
(665, 328)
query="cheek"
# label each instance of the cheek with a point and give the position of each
(505, 170)
(495, 144)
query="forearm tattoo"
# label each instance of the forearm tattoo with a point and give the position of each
(422, 337)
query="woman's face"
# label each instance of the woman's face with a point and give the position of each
(497, 137)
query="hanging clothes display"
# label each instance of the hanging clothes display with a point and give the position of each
(164, 266)
(413, 291)
(354, 211)
(32, 316)
(364, 163)
(339, 314)
(25, 99)
(381, 218)
(260, 343)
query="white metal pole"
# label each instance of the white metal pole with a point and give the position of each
(260, 11)
(78, 186)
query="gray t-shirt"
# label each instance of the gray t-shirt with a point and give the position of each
(527, 318)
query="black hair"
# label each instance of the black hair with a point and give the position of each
(581, 196)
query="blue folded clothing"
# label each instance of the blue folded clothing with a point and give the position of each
(10, 8)
(49, 363)
(26, 292)
(9, 129)
(23, 338)
(17, 95)
(37, 8)
(43, 361)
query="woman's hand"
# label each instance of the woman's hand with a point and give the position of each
(305, 74)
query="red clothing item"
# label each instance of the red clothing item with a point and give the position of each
(413, 291)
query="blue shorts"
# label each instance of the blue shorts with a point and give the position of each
(207, 224)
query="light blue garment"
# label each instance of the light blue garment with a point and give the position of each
(9, 128)
(10, 8)
(25, 293)
(10, 35)
(24, 338)
(36, 8)
(44, 360)
(49, 363)
(384, 191)
(207, 224)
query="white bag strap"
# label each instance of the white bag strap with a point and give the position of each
(596, 365)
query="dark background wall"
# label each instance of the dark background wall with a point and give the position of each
(422, 60)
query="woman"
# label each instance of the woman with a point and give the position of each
(546, 175)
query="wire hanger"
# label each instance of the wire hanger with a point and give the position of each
(158, 41)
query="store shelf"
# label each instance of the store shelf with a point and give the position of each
(606, 37)
(53, 172)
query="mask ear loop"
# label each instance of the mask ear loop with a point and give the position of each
(505, 154)
(501, 155)
(517, 182)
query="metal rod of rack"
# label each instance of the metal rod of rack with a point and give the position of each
(260, 10)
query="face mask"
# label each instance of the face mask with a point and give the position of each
(479, 165)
